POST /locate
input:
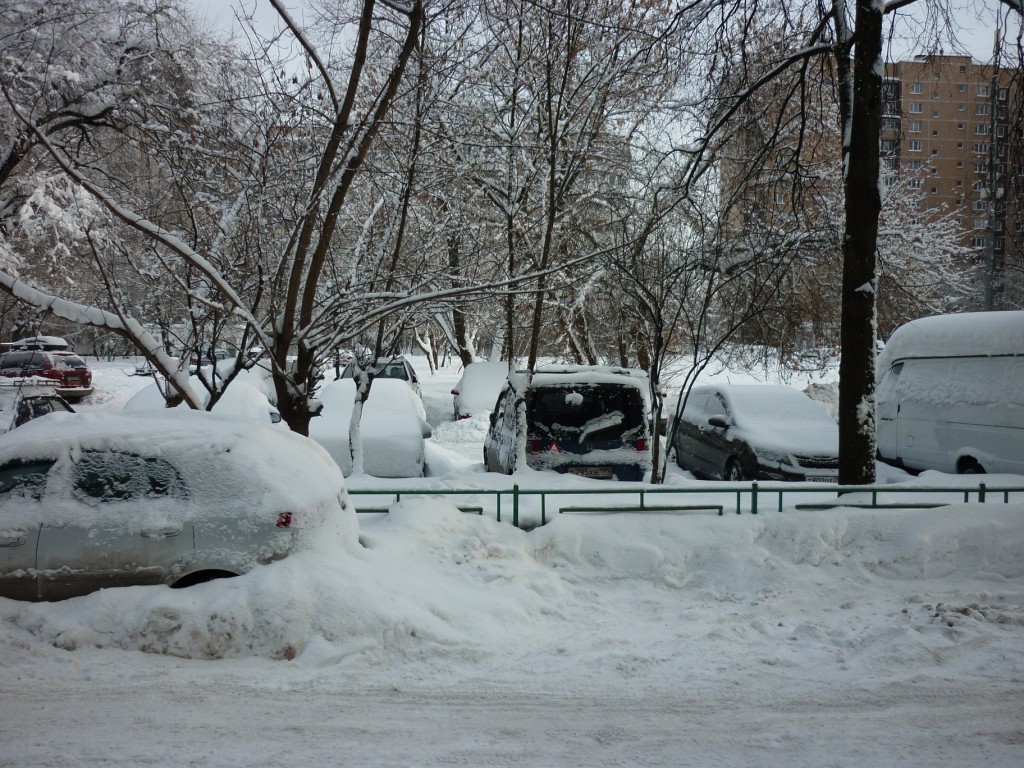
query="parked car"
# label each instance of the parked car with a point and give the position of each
(98, 500)
(756, 432)
(243, 397)
(390, 368)
(22, 400)
(950, 394)
(587, 421)
(392, 428)
(478, 388)
(68, 370)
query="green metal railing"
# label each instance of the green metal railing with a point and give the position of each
(861, 496)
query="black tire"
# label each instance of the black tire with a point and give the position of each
(201, 577)
(733, 470)
(969, 466)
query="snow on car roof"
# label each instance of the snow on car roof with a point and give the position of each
(588, 375)
(41, 342)
(221, 457)
(961, 335)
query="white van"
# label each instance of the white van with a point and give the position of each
(950, 394)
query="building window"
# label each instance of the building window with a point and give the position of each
(978, 242)
(1002, 94)
(998, 244)
(982, 90)
(916, 88)
(960, 182)
(981, 149)
(935, 151)
(961, 107)
(914, 165)
(914, 221)
(937, 76)
(913, 184)
(981, 167)
(935, 133)
(978, 205)
(963, 68)
(959, 145)
(981, 109)
(914, 145)
(963, 88)
(935, 190)
(960, 164)
(916, 107)
(980, 223)
(1000, 131)
(981, 129)
(935, 113)
(960, 126)
(915, 126)
(888, 145)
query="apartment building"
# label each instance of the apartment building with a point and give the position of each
(951, 137)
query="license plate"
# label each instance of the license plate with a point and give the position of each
(821, 479)
(599, 472)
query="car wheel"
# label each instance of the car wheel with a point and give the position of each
(733, 471)
(201, 577)
(969, 466)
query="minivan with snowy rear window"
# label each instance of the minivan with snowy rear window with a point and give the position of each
(587, 421)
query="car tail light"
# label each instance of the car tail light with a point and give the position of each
(284, 519)
(641, 444)
(50, 373)
(534, 446)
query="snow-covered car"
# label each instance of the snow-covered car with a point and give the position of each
(587, 421)
(22, 400)
(69, 371)
(396, 367)
(392, 428)
(245, 396)
(105, 499)
(478, 388)
(756, 432)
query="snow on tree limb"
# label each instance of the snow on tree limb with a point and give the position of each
(83, 314)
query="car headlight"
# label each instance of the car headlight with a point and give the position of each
(774, 457)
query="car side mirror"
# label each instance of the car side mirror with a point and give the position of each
(719, 421)
(426, 430)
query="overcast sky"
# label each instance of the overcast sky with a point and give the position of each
(974, 19)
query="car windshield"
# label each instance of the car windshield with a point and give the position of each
(583, 411)
(775, 404)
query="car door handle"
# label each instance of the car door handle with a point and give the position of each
(16, 539)
(161, 533)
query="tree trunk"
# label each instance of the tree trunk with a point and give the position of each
(863, 204)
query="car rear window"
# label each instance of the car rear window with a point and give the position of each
(572, 409)
(68, 362)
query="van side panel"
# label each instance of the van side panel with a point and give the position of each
(953, 410)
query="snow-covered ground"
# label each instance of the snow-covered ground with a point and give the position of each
(793, 638)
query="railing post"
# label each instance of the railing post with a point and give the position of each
(739, 501)
(515, 505)
(543, 508)
(753, 498)
(981, 493)
(498, 495)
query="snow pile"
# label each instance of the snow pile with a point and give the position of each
(433, 586)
